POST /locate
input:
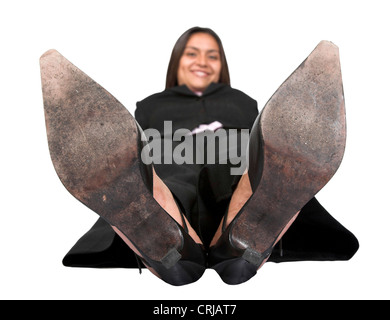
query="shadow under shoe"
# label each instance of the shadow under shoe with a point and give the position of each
(296, 146)
(95, 147)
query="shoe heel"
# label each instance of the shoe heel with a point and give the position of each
(171, 258)
(235, 265)
(180, 267)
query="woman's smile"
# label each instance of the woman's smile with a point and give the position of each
(200, 73)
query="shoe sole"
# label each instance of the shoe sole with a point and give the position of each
(299, 140)
(94, 145)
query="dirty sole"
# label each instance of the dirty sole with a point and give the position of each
(94, 144)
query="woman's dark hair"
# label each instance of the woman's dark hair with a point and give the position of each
(178, 50)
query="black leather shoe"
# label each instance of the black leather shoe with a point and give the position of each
(296, 146)
(95, 147)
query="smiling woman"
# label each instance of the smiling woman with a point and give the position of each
(199, 37)
(200, 65)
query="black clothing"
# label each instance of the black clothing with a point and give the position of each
(185, 109)
(203, 191)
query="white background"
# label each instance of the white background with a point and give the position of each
(125, 46)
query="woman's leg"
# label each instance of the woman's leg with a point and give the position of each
(240, 196)
(166, 200)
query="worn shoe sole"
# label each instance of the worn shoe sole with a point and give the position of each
(95, 147)
(296, 146)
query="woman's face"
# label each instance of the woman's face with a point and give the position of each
(200, 64)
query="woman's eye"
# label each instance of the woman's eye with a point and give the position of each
(190, 54)
(213, 57)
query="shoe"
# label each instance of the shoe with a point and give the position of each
(296, 145)
(95, 146)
